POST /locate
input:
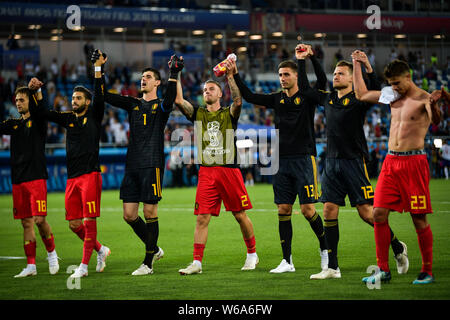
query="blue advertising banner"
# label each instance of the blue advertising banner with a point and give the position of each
(123, 17)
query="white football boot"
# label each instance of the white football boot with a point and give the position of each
(30, 270)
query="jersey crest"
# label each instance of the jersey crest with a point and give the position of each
(346, 101)
(297, 100)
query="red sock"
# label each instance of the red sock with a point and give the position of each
(382, 243)
(49, 243)
(30, 251)
(251, 244)
(89, 239)
(81, 233)
(198, 251)
(425, 238)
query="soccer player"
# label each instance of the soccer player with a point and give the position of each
(219, 177)
(345, 170)
(144, 171)
(403, 183)
(84, 183)
(297, 174)
(29, 179)
(445, 154)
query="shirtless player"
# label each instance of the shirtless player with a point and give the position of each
(404, 178)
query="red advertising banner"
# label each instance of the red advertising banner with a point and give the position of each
(357, 23)
(272, 22)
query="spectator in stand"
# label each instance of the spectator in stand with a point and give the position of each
(54, 70)
(64, 72)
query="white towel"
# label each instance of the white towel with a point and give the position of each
(388, 95)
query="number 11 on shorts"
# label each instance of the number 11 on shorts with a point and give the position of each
(91, 206)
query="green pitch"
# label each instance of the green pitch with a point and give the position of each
(224, 255)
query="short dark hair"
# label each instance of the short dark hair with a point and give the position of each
(396, 68)
(86, 92)
(215, 82)
(155, 72)
(288, 64)
(344, 63)
(24, 90)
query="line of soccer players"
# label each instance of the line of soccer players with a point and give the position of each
(402, 185)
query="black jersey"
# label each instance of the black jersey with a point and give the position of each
(294, 116)
(27, 146)
(82, 134)
(147, 122)
(345, 118)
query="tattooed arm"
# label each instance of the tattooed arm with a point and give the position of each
(185, 107)
(236, 96)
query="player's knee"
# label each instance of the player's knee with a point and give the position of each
(308, 211)
(75, 224)
(39, 221)
(285, 209)
(203, 220)
(129, 217)
(366, 213)
(27, 223)
(330, 210)
(240, 216)
(380, 215)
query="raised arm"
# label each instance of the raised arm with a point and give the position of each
(314, 95)
(433, 108)
(359, 85)
(98, 102)
(261, 99)
(37, 108)
(175, 66)
(236, 106)
(185, 107)
(373, 83)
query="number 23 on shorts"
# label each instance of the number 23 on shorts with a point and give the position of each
(418, 202)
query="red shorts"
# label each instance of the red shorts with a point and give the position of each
(217, 184)
(83, 196)
(403, 184)
(30, 199)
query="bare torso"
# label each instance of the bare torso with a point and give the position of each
(410, 120)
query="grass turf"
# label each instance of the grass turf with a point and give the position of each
(224, 255)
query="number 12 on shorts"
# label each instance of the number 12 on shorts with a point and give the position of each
(368, 192)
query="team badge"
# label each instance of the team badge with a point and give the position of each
(136, 108)
(282, 101)
(29, 123)
(84, 121)
(331, 102)
(71, 125)
(297, 100)
(346, 101)
(15, 127)
(155, 105)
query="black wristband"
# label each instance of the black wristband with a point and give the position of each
(173, 75)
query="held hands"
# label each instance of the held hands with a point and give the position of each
(361, 57)
(303, 51)
(35, 84)
(231, 67)
(436, 97)
(98, 58)
(175, 66)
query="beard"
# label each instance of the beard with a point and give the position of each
(80, 109)
(340, 86)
